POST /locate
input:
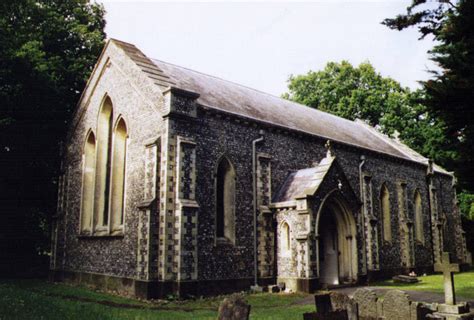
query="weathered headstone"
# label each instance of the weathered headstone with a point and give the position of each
(342, 302)
(420, 310)
(405, 279)
(324, 309)
(396, 305)
(323, 303)
(234, 308)
(366, 300)
(448, 270)
(450, 309)
(339, 301)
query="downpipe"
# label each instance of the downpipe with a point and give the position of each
(362, 198)
(254, 188)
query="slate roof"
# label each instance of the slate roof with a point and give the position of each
(303, 182)
(237, 99)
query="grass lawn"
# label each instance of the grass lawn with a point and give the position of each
(463, 283)
(38, 299)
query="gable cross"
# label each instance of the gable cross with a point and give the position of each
(448, 269)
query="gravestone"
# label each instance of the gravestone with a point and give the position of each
(325, 310)
(448, 269)
(340, 302)
(421, 310)
(396, 305)
(323, 303)
(234, 308)
(366, 300)
(451, 310)
(405, 279)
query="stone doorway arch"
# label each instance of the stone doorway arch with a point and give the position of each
(336, 241)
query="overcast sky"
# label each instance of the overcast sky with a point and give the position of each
(259, 44)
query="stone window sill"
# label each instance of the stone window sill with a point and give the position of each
(103, 234)
(97, 236)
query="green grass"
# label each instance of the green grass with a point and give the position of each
(37, 299)
(463, 283)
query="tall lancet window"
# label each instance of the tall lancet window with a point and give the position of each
(118, 175)
(102, 181)
(285, 240)
(225, 213)
(385, 206)
(419, 218)
(88, 178)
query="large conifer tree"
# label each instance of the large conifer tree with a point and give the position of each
(450, 94)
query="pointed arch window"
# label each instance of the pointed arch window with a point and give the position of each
(386, 216)
(118, 175)
(285, 239)
(104, 172)
(102, 178)
(225, 189)
(88, 179)
(419, 218)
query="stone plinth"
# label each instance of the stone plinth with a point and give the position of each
(453, 312)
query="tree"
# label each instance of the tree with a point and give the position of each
(449, 95)
(360, 92)
(47, 51)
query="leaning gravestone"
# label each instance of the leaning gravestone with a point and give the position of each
(234, 308)
(396, 305)
(366, 300)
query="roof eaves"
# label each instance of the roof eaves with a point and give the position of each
(401, 147)
(269, 123)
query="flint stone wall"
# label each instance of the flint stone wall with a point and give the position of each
(216, 134)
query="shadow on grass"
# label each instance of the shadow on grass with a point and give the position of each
(38, 299)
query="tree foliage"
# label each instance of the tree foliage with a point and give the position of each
(47, 51)
(449, 95)
(361, 92)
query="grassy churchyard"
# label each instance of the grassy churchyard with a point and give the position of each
(39, 299)
(463, 282)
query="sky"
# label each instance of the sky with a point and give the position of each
(260, 44)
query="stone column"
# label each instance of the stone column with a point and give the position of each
(178, 209)
(187, 210)
(436, 231)
(405, 226)
(265, 220)
(148, 220)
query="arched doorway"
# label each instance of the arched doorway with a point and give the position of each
(337, 247)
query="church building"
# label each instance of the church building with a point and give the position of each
(177, 182)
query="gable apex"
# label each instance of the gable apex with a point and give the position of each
(305, 182)
(145, 64)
